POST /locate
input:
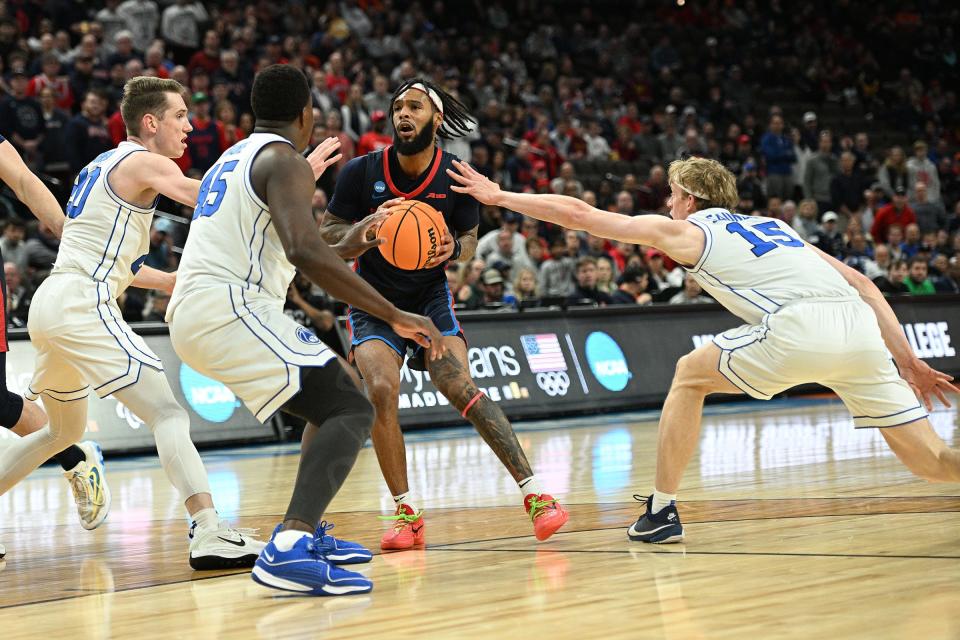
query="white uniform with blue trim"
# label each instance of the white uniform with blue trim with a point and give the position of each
(804, 322)
(226, 314)
(75, 323)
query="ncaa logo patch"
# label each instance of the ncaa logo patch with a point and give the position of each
(607, 362)
(209, 398)
(306, 336)
(379, 186)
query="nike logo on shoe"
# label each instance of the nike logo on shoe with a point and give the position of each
(416, 530)
(242, 542)
(268, 556)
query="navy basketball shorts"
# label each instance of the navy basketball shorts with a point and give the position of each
(436, 303)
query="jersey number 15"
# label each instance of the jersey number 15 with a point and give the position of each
(769, 229)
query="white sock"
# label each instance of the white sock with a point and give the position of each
(529, 485)
(404, 498)
(207, 518)
(661, 500)
(285, 540)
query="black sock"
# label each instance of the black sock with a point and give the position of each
(340, 418)
(70, 457)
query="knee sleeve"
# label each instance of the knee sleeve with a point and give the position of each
(11, 408)
(328, 392)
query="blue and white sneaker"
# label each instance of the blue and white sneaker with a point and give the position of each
(661, 527)
(339, 551)
(304, 569)
(88, 481)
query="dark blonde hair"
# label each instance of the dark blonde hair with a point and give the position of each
(707, 180)
(143, 95)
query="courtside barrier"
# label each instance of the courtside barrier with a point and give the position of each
(537, 363)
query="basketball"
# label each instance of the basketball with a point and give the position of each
(412, 235)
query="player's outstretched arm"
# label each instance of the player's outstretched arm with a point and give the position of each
(150, 278)
(680, 240)
(287, 181)
(161, 174)
(29, 189)
(924, 379)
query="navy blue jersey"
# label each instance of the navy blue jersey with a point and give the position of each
(366, 182)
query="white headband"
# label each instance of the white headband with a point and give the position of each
(693, 193)
(433, 95)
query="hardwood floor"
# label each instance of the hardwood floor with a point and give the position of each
(796, 525)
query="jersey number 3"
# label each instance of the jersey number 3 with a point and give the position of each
(770, 230)
(212, 190)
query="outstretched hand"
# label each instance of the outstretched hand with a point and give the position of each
(322, 157)
(361, 236)
(473, 183)
(927, 381)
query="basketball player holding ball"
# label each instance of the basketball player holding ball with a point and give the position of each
(414, 168)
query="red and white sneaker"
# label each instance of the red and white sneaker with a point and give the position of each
(546, 514)
(407, 531)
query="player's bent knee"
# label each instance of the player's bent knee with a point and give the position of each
(383, 390)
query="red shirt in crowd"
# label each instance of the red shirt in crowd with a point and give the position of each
(60, 86)
(372, 141)
(888, 215)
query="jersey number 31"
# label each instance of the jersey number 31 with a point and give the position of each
(769, 229)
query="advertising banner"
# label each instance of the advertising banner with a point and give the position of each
(216, 415)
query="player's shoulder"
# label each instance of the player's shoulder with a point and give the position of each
(447, 158)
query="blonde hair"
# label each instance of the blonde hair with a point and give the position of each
(143, 95)
(707, 180)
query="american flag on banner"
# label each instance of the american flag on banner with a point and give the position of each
(543, 352)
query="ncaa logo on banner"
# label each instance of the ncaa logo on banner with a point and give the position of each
(209, 398)
(607, 362)
(546, 360)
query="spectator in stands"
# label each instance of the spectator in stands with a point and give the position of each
(141, 18)
(931, 216)
(897, 212)
(912, 243)
(86, 133)
(624, 204)
(18, 295)
(556, 273)
(180, 27)
(917, 282)
(779, 156)
(209, 56)
(525, 288)
(586, 291)
(11, 243)
(354, 114)
(467, 292)
(670, 141)
(662, 277)
(858, 255)
(207, 140)
(846, 188)
(21, 120)
(379, 98)
(509, 251)
(892, 283)
(750, 188)
(810, 132)
(52, 76)
(828, 238)
(567, 174)
(632, 287)
(821, 169)
(39, 253)
(156, 307)
(788, 212)
(606, 274)
(374, 139)
(54, 149)
(866, 164)
(492, 285)
(883, 258)
(691, 293)
(508, 221)
(161, 256)
(226, 118)
(893, 173)
(236, 78)
(123, 51)
(950, 281)
(921, 169)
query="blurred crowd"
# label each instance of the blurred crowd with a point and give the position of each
(839, 118)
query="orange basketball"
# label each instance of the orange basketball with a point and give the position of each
(412, 234)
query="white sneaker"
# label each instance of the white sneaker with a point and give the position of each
(88, 481)
(223, 548)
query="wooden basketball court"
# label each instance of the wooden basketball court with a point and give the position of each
(797, 526)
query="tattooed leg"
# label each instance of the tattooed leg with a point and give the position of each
(452, 379)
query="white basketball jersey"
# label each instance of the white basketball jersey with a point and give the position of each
(232, 239)
(103, 236)
(754, 265)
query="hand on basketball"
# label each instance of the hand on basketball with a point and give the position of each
(362, 236)
(322, 157)
(473, 183)
(444, 251)
(926, 380)
(422, 331)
